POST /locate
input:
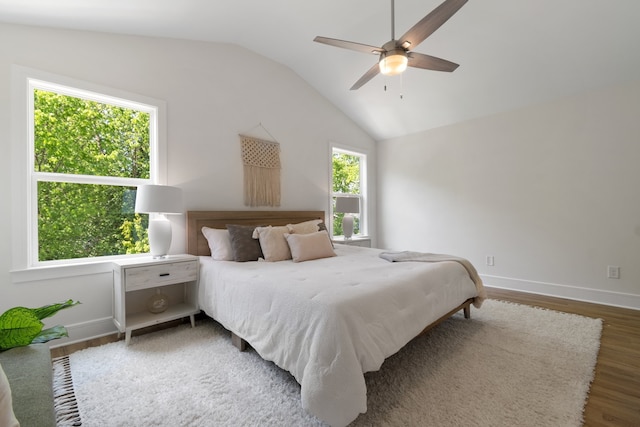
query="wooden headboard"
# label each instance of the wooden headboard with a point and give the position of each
(197, 244)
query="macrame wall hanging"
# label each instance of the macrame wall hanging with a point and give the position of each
(261, 160)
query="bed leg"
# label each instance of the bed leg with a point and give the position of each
(467, 311)
(238, 342)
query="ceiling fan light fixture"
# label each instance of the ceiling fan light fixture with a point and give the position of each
(393, 62)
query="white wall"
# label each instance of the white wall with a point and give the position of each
(213, 92)
(551, 191)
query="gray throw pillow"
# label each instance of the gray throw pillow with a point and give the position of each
(243, 246)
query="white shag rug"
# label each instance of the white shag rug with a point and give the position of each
(510, 365)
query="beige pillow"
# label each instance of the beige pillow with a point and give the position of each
(305, 247)
(219, 243)
(273, 244)
(304, 227)
(7, 418)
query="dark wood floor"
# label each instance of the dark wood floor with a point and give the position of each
(614, 399)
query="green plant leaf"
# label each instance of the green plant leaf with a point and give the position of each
(49, 310)
(49, 334)
(18, 327)
(21, 326)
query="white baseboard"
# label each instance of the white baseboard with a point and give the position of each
(597, 296)
(84, 331)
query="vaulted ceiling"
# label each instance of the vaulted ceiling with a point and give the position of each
(511, 53)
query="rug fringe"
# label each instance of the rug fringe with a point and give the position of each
(64, 397)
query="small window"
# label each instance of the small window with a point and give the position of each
(89, 152)
(348, 180)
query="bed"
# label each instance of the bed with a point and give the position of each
(327, 321)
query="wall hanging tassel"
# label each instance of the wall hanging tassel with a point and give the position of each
(261, 160)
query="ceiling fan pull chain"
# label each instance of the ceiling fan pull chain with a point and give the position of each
(401, 87)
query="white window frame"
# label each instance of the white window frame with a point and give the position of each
(363, 215)
(25, 178)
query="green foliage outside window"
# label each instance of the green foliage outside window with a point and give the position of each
(346, 180)
(78, 137)
(346, 173)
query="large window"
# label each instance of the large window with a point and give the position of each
(348, 180)
(88, 153)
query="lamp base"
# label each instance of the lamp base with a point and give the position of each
(347, 226)
(159, 236)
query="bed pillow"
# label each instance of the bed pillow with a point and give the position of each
(219, 243)
(7, 417)
(243, 246)
(272, 242)
(323, 227)
(305, 247)
(304, 227)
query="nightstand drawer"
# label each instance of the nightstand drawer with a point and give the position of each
(162, 274)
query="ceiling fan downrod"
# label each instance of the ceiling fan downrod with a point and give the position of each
(393, 20)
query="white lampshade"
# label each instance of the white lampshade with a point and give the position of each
(159, 199)
(347, 205)
(393, 62)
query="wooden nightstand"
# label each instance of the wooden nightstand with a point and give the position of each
(354, 241)
(138, 283)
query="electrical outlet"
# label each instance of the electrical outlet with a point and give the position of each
(490, 262)
(613, 272)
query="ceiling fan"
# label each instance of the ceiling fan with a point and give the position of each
(396, 55)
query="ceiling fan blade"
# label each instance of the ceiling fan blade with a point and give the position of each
(358, 47)
(428, 62)
(371, 73)
(430, 23)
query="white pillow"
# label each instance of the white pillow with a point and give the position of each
(273, 244)
(304, 227)
(219, 243)
(7, 418)
(305, 247)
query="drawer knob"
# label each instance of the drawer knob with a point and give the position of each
(164, 274)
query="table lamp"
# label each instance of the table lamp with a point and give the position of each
(348, 206)
(157, 201)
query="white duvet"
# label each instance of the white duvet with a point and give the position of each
(329, 321)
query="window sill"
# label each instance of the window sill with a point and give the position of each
(359, 240)
(61, 271)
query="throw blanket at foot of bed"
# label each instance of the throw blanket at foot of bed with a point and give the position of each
(427, 257)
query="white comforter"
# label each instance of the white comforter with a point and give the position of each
(328, 321)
